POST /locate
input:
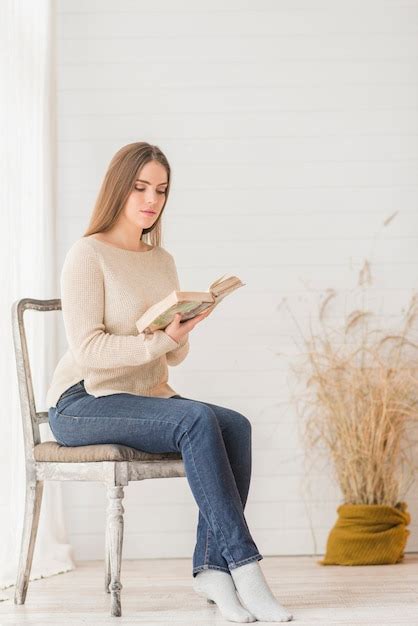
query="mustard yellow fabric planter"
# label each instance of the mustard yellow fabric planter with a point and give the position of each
(368, 534)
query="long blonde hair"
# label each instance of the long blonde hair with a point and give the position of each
(118, 183)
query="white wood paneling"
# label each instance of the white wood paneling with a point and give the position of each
(292, 131)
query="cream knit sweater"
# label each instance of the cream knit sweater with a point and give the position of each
(104, 290)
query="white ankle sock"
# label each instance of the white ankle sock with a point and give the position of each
(219, 587)
(256, 595)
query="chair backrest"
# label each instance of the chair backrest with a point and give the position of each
(31, 419)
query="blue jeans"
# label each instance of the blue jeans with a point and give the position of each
(215, 445)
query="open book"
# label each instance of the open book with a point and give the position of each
(188, 303)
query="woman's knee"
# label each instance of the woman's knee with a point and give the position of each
(209, 417)
(240, 421)
(204, 417)
(245, 427)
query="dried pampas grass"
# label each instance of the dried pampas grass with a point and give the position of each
(362, 387)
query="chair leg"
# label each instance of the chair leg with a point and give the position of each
(107, 564)
(33, 501)
(114, 529)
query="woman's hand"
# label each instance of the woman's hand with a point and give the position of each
(177, 330)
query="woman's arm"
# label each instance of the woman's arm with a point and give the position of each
(176, 356)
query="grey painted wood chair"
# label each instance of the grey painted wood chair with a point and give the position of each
(114, 465)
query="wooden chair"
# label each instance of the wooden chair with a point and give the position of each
(115, 465)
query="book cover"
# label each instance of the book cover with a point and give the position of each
(188, 303)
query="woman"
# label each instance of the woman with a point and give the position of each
(111, 386)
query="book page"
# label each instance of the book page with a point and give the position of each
(217, 281)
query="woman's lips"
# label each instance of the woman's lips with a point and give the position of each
(148, 212)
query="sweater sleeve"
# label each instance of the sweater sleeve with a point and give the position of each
(177, 355)
(82, 301)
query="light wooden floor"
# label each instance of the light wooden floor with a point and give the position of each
(159, 592)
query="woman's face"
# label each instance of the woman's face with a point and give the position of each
(149, 195)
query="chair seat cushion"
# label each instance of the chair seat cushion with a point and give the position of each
(53, 452)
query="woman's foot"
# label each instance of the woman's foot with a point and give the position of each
(256, 595)
(219, 587)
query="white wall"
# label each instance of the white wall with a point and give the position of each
(291, 127)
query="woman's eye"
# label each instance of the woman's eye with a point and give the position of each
(160, 192)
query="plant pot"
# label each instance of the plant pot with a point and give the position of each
(368, 534)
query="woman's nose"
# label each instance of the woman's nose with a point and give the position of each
(151, 198)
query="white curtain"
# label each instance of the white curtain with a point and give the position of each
(27, 267)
